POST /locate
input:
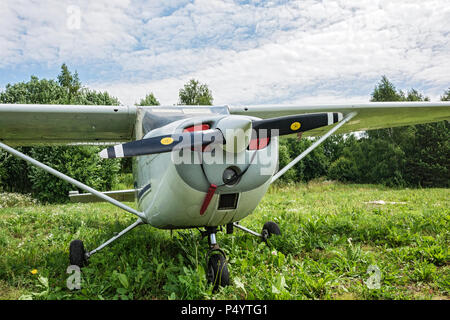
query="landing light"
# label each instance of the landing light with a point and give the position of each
(230, 176)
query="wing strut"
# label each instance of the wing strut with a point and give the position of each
(71, 180)
(313, 146)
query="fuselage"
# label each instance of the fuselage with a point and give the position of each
(188, 188)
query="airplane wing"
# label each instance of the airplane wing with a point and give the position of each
(372, 115)
(34, 124)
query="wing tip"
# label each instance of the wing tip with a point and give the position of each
(103, 154)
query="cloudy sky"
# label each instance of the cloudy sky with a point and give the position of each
(248, 51)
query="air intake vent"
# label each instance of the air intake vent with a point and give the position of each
(228, 201)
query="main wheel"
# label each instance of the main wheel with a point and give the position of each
(270, 228)
(218, 271)
(77, 253)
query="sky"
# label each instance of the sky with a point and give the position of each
(247, 52)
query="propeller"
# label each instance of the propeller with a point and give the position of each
(164, 143)
(229, 128)
(296, 123)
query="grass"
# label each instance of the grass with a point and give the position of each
(330, 240)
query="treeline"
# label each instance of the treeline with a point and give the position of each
(79, 162)
(405, 156)
(409, 156)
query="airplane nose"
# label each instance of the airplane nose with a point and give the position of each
(231, 176)
(237, 131)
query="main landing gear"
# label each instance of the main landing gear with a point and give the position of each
(217, 270)
(268, 230)
(79, 256)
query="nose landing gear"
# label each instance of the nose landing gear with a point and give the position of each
(217, 270)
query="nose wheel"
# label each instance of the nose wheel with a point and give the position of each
(217, 269)
(217, 273)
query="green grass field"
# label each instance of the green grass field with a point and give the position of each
(330, 240)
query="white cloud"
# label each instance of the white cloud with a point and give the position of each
(256, 52)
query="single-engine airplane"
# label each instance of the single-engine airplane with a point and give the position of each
(195, 166)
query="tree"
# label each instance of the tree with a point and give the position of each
(195, 93)
(428, 159)
(284, 158)
(92, 97)
(126, 164)
(409, 155)
(81, 162)
(446, 96)
(385, 91)
(149, 100)
(34, 91)
(343, 169)
(311, 167)
(70, 82)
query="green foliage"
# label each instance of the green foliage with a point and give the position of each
(446, 96)
(69, 82)
(381, 162)
(283, 159)
(343, 169)
(333, 147)
(149, 100)
(312, 167)
(10, 200)
(81, 163)
(91, 97)
(385, 91)
(34, 91)
(330, 237)
(14, 172)
(428, 156)
(195, 93)
(415, 156)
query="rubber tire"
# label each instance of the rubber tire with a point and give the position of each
(77, 253)
(217, 263)
(270, 228)
(230, 228)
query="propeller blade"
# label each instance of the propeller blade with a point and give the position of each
(297, 123)
(165, 143)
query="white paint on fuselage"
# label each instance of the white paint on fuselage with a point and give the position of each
(172, 203)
